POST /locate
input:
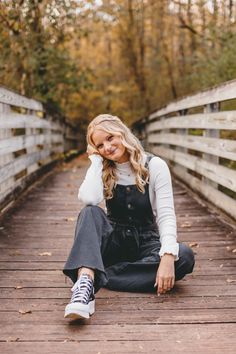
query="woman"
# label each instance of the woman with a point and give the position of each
(133, 246)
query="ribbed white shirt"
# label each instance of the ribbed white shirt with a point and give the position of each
(160, 193)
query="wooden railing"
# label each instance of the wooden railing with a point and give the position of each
(197, 136)
(29, 140)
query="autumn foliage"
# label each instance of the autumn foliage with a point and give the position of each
(127, 57)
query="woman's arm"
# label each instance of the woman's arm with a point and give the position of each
(91, 190)
(160, 181)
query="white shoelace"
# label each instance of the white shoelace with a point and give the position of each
(82, 289)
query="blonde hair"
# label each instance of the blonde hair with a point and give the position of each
(113, 124)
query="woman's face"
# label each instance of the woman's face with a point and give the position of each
(110, 146)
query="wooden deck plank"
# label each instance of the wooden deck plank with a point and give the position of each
(186, 290)
(112, 332)
(8, 279)
(113, 316)
(126, 339)
(200, 312)
(218, 267)
(120, 303)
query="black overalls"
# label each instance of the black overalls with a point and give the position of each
(122, 246)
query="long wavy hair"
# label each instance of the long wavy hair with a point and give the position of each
(113, 125)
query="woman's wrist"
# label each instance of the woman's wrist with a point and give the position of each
(168, 255)
(95, 157)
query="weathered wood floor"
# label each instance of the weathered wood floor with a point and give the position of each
(198, 315)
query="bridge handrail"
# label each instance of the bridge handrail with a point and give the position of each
(30, 140)
(199, 145)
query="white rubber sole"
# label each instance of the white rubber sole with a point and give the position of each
(77, 310)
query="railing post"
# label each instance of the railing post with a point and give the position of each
(182, 131)
(48, 135)
(211, 133)
(66, 133)
(5, 109)
(145, 135)
(30, 150)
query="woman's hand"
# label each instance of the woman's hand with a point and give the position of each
(91, 150)
(165, 278)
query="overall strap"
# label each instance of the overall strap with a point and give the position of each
(149, 157)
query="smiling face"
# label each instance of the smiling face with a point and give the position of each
(110, 146)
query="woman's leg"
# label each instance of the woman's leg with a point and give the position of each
(85, 264)
(185, 263)
(140, 276)
(91, 234)
(88, 271)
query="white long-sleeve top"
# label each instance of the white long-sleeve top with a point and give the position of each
(160, 194)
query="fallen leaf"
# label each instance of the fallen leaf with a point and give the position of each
(231, 280)
(193, 244)
(210, 259)
(18, 287)
(45, 254)
(12, 339)
(222, 265)
(186, 224)
(14, 253)
(228, 248)
(23, 312)
(234, 250)
(70, 219)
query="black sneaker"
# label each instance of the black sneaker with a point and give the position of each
(82, 304)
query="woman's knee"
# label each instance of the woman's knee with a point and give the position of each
(186, 257)
(92, 216)
(91, 209)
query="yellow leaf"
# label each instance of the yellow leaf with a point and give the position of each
(193, 244)
(186, 224)
(12, 339)
(70, 219)
(23, 312)
(231, 280)
(14, 253)
(45, 254)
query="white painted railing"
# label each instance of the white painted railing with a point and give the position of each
(29, 140)
(198, 138)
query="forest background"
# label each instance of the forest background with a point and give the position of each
(125, 57)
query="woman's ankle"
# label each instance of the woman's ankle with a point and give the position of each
(87, 271)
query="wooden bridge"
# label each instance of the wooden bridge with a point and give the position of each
(37, 229)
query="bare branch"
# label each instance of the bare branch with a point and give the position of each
(184, 24)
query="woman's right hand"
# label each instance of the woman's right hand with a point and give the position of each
(91, 150)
